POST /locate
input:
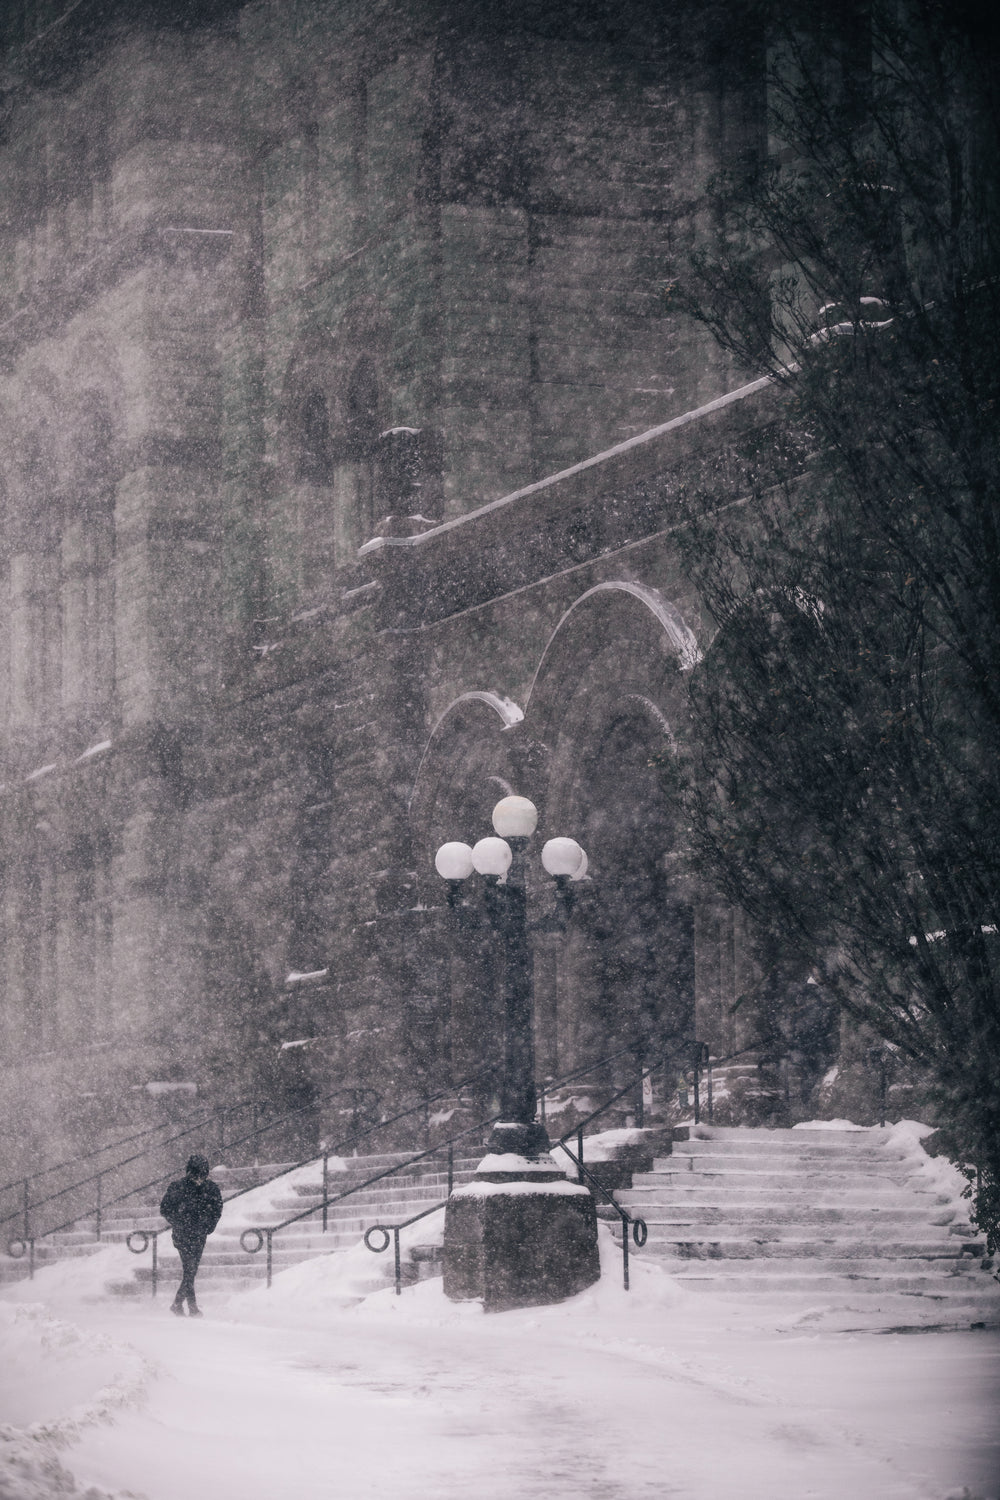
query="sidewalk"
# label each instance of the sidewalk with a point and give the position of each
(652, 1394)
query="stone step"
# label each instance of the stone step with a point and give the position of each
(340, 1181)
(813, 1281)
(747, 1189)
(369, 1208)
(849, 1267)
(44, 1251)
(388, 1191)
(757, 1209)
(739, 1248)
(288, 1255)
(671, 1168)
(706, 1132)
(786, 1160)
(736, 1139)
(774, 1214)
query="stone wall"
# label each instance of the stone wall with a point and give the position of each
(284, 282)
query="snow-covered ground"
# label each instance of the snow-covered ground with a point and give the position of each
(660, 1392)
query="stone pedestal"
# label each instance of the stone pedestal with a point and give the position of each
(519, 1235)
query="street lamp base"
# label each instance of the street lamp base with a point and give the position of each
(515, 1138)
(519, 1243)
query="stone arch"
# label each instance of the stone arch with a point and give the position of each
(606, 701)
(465, 763)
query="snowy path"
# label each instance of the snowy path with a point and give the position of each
(658, 1395)
(419, 1412)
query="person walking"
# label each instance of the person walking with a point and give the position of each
(192, 1207)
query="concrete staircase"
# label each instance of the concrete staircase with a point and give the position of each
(771, 1212)
(226, 1265)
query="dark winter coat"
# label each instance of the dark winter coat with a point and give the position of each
(192, 1210)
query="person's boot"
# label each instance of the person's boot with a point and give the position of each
(194, 1311)
(177, 1308)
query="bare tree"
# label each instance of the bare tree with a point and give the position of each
(846, 749)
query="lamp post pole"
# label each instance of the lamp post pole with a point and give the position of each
(518, 1096)
(520, 1233)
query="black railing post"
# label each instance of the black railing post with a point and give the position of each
(399, 1272)
(451, 1167)
(326, 1188)
(154, 1277)
(579, 1144)
(270, 1237)
(711, 1102)
(625, 1229)
(31, 1260)
(697, 1099)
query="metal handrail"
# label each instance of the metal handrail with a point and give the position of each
(17, 1247)
(640, 1230)
(145, 1236)
(394, 1230)
(96, 1178)
(126, 1140)
(550, 1085)
(23, 1182)
(352, 1140)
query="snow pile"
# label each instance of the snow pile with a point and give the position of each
(651, 1292)
(78, 1277)
(335, 1281)
(57, 1380)
(67, 1364)
(935, 1172)
(30, 1470)
(828, 1124)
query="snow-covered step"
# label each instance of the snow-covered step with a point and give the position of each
(875, 1215)
(766, 1166)
(842, 1162)
(953, 1251)
(805, 1279)
(655, 1195)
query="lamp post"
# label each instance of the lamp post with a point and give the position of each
(520, 1233)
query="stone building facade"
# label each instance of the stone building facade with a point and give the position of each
(345, 418)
